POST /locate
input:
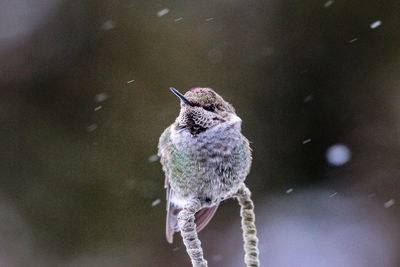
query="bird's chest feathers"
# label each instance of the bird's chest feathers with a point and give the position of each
(212, 147)
(210, 164)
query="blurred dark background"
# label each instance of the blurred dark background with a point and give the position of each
(84, 98)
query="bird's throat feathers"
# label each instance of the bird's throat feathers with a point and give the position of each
(206, 139)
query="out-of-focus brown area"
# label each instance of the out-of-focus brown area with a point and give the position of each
(84, 98)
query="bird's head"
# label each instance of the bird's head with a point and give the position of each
(201, 109)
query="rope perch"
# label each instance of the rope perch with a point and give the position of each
(248, 226)
(190, 238)
(189, 234)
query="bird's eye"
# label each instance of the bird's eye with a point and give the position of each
(210, 108)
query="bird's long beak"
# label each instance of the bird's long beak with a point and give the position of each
(182, 97)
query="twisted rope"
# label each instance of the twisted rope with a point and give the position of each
(189, 234)
(248, 226)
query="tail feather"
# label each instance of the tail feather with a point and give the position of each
(204, 216)
(172, 222)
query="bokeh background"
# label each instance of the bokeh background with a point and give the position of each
(84, 98)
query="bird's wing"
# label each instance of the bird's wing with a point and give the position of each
(173, 210)
(165, 147)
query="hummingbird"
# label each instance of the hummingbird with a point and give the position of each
(204, 155)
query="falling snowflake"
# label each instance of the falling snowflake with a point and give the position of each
(308, 98)
(376, 24)
(338, 155)
(162, 12)
(91, 127)
(155, 202)
(389, 203)
(100, 97)
(328, 3)
(108, 25)
(153, 158)
(333, 194)
(307, 141)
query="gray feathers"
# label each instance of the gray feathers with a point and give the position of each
(204, 156)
